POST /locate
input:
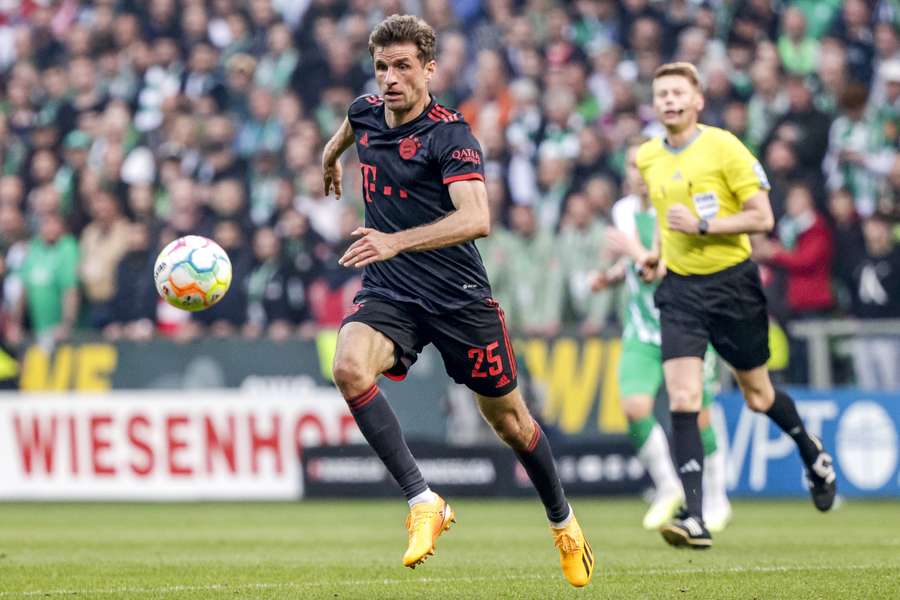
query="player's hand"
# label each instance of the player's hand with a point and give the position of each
(682, 219)
(651, 267)
(597, 280)
(373, 246)
(332, 172)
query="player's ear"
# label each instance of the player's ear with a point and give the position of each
(701, 102)
(430, 69)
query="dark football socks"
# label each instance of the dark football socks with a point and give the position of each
(784, 413)
(688, 450)
(378, 424)
(537, 459)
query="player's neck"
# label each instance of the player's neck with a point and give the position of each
(680, 139)
(396, 118)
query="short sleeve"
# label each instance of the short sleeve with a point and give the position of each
(458, 153)
(744, 174)
(361, 107)
(623, 216)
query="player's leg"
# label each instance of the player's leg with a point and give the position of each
(640, 377)
(684, 341)
(363, 353)
(513, 423)
(740, 334)
(510, 419)
(716, 507)
(478, 354)
(761, 396)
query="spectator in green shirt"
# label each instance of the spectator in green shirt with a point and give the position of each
(581, 242)
(49, 278)
(537, 280)
(796, 48)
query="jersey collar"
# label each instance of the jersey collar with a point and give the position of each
(673, 150)
(432, 101)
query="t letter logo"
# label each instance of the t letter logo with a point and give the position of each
(367, 181)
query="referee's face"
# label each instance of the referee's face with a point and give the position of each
(401, 76)
(677, 102)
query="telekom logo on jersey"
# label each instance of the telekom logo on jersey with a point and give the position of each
(369, 181)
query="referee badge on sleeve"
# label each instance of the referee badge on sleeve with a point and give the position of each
(707, 204)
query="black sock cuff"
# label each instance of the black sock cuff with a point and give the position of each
(358, 402)
(780, 398)
(684, 418)
(535, 438)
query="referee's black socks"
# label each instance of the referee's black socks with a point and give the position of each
(688, 450)
(378, 424)
(784, 413)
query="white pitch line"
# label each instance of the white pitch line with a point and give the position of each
(174, 589)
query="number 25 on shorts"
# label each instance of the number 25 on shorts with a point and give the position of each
(494, 362)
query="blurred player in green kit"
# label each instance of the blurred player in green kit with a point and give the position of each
(640, 365)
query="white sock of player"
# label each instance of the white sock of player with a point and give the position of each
(565, 521)
(426, 496)
(657, 459)
(714, 479)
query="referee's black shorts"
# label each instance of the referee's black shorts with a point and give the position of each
(727, 309)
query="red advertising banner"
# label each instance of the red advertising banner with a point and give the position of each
(166, 445)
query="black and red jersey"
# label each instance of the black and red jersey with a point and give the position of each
(406, 171)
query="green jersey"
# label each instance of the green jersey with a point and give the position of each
(641, 318)
(47, 273)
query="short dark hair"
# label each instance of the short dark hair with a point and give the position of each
(400, 29)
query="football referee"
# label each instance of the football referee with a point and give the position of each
(709, 193)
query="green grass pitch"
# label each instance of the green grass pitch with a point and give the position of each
(497, 549)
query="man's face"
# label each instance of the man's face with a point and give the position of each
(799, 96)
(893, 91)
(676, 102)
(51, 228)
(878, 236)
(402, 78)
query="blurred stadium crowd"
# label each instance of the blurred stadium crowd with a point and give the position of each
(124, 124)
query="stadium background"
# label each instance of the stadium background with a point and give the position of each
(136, 122)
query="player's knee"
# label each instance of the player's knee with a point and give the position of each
(513, 432)
(350, 376)
(685, 399)
(637, 408)
(758, 392)
(759, 399)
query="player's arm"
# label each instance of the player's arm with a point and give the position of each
(599, 280)
(331, 165)
(650, 263)
(754, 217)
(470, 220)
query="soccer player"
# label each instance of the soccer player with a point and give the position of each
(710, 193)
(424, 282)
(640, 364)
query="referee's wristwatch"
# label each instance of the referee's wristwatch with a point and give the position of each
(703, 227)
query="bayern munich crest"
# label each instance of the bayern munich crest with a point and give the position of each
(408, 148)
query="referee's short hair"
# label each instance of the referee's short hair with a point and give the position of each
(684, 69)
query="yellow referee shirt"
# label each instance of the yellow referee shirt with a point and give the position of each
(713, 176)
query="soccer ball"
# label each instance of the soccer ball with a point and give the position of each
(192, 273)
